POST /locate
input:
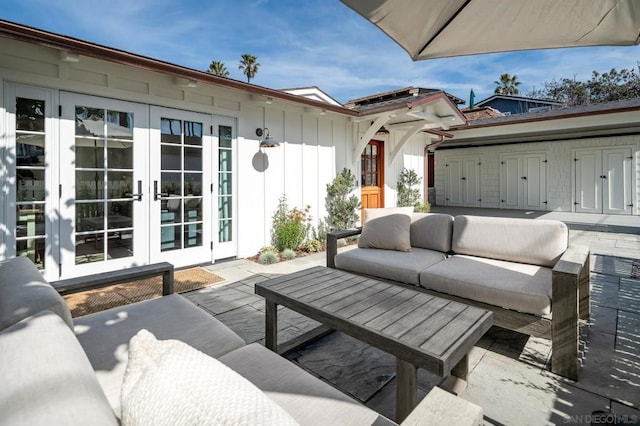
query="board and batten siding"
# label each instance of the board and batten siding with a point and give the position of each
(560, 172)
(301, 167)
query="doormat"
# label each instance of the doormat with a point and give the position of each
(91, 301)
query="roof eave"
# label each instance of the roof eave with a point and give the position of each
(73, 45)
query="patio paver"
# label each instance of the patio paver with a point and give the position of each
(509, 375)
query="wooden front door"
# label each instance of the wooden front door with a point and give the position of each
(372, 175)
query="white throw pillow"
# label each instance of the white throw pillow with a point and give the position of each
(167, 382)
(387, 229)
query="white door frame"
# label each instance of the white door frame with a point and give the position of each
(225, 249)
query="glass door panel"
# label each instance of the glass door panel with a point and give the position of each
(103, 143)
(104, 184)
(30, 180)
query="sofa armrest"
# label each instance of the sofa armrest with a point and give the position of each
(332, 243)
(570, 303)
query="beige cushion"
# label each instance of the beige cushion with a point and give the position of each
(387, 229)
(167, 382)
(521, 287)
(538, 242)
(393, 265)
(23, 292)
(306, 398)
(105, 335)
(432, 231)
(46, 378)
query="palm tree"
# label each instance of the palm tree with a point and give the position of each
(218, 68)
(507, 85)
(249, 66)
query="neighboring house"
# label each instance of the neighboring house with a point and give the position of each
(580, 159)
(517, 104)
(111, 159)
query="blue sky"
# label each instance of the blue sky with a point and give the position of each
(299, 43)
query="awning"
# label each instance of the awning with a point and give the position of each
(429, 29)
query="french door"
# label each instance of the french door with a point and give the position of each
(103, 184)
(181, 204)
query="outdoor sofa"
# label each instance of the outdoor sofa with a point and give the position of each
(523, 270)
(57, 370)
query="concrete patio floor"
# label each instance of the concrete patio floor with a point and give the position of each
(509, 378)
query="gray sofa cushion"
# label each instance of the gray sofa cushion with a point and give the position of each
(306, 398)
(432, 231)
(47, 378)
(521, 287)
(23, 293)
(105, 335)
(393, 265)
(388, 232)
(538, 242)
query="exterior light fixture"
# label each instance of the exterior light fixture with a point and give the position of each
(268, 141)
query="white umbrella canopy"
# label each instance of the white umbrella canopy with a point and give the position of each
(429, 29)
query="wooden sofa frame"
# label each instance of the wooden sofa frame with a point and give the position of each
(570, 298)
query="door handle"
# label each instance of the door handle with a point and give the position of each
(524, 177)
(137, 196)
(463, 178)
(603, 176)
(157, 194)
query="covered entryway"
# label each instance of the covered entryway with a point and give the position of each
(603, 181)
(372, 175)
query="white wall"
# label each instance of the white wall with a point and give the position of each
(300, 168)
(559, 168)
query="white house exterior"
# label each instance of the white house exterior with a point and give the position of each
(583, 159)
(110, 159)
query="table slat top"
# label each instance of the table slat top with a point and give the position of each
(431, 332)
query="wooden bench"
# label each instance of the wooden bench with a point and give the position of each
(105, 279)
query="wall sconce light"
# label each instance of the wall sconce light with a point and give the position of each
(268, 141)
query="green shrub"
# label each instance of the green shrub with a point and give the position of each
(320, 233)
(342, 208)
(312, 246)
(288, 254)
(268, 257)
(289, 226)
(408, 194)
(420, 207)
(271, 249)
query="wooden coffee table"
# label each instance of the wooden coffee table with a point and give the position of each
(420, 330)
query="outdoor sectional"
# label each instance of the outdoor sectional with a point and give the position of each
(523, 270)
(57, 370)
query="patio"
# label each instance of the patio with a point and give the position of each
(509, 375)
